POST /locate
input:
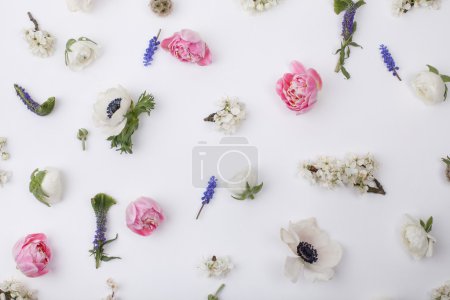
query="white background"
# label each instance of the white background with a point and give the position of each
(371, 112)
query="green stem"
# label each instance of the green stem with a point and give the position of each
(219, 289)
(83, 143)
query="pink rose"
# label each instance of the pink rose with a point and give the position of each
(187, 46)
(299, 89)
(32, 255)
(143, 216)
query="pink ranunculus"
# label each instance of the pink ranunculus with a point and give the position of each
(143, 216)
(299, 89)
(187, 46)
(32, 255)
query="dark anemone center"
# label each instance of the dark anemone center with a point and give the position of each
(307, 252)
(113, 106)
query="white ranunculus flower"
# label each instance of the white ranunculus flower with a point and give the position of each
(76, 5)
(415, 239)
(429, 87)
(237, 184)
(52, 185)
(315, 253)
(216, 266)
(110, 110)
(80, 53)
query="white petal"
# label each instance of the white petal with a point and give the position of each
(322, 275)
(329, 255)
(292, 268)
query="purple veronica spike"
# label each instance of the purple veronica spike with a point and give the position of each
(150, 51)
(348, 22)
(389, 61)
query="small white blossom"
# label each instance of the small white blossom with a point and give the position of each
(4, 177)
(40, 42)
(113, 286)
(79, 5)
(258, 5)
(400, 7)
(15, 290)
(216, 266)
(435, 4)
(442, 292)
(230, 115)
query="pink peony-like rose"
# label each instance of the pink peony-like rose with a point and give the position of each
(32, 255)
(143, 216)
(299, 89)
(187, 46)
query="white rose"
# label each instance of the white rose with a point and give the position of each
(110, 110)
(80, 53)
(237, 184)
(429, 87)
(52, 185)
(415, 239)
(76, 5)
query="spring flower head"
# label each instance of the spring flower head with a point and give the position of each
(151, 49)
(389, 61)
(46, 185)
(161, 7)
(40, 42)
(442, 292)
(400, 7)
(187, 46)
(299, 89)
(229, 116)
(80, 53)
(32, 255)
(143, 216)
(13, 289)
(79, 5)
(4, 154)
(4, 177)
(416, 238)
(101, 204)
(215, 266)
(208, 194)
(348, 23)
(316, 255)
(39, 109)
(258, 5)
(430, 86)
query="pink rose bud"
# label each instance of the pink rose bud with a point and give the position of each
(299, 89)
(32, 255)
(143, 216)
(187, 46)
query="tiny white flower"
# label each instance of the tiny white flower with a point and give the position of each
(216, 266)
(230, 115)
(3, 141)
(110, 110)
(258, 5)
(415, 239)
(5, 155)
(77, 5)
(429, 87)
(112, 284)
(442, 292)
(40, 42)
(80, 53)
(4, 177)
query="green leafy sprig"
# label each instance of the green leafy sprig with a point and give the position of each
(249, 193)
(428, 225)
(101, 203)
(36, 186)
(444, 78)
(347, 41)
(123, 141)
(82, 136)
(215, 296)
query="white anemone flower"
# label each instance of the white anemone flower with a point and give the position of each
(315, 253)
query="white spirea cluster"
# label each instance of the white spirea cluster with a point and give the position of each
(40, 42)
(356, 171)
(258, 5)
(230, 115)
(15, 290)
(442, 292)
(216, 266)
(400, 7)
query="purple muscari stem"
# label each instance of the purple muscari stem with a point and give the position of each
(208, 194)
(347, 23)
(389, 61)
(150, 51)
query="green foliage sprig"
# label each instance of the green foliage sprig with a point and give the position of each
(249, 193)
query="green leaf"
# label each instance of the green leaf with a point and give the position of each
(69, 44)
(341, 5)
(102, 202)
(111, 240)
(433, 69)
(342, 57)
(108, 258)
(354, 28)
(258, 188)
(348, 52)
(345, 73)
(445, 93)
(429, 224)
(422, 223)
(445, 78)
(446, 160)
(337, 51)
(35, 186)
(359, 4)
(355, 45)
(46, 107)
(85, 39)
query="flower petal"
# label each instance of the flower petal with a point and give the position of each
(292, 268)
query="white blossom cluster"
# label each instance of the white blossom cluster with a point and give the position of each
(400, 7)
(230, 115)
(4, 155)
(216, 266)
(258, 5)
(40, 42)
(356, 171)
(442, 292)
(13, 289)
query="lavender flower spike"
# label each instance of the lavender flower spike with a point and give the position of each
(208, 194)
(101, 203)
(150, 51)
(39, 109)
(348, 22)
(389, 61)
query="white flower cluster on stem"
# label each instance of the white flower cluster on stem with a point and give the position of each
(13, 289)
(400, 7)
(216, 266)
(258, 5)
(356, 171)
(442, 292)
(230, 115)
(40, 42)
